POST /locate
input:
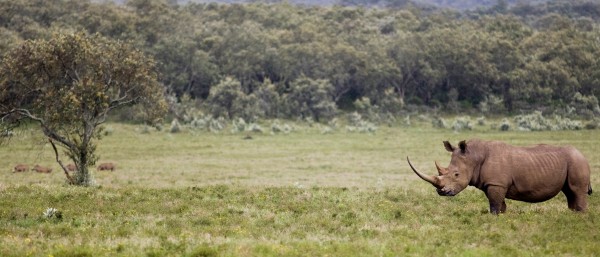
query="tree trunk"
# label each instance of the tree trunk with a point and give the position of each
(508, 101)
(83, 177)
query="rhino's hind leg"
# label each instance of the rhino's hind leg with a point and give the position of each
(577, 200)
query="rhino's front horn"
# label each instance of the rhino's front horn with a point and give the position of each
(431, 179)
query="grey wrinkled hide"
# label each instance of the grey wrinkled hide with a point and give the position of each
(529, 174)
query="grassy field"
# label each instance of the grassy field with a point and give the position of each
(300, 194)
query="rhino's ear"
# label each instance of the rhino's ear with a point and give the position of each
(448, 146)
(463, 146)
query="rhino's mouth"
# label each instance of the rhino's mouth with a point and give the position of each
(445, 192)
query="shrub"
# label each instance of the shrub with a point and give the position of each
(327, 130)
(268, 100)
(216, 125)
(238, 126)
(462, 123)
(561, 123)
(357, 124)
(227, 99)
(253, 127)
(311, 98)
(537, 122)
(175, 126)
(585, 105)
(593, 124)
(439, 122)
(532, 122)
(505, 125)
(406, 121)
(481, 121)
(492, 104)
(391, 102)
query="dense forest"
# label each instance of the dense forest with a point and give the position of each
(280, 60)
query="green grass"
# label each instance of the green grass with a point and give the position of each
(302, 194)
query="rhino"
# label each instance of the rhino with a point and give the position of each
(107, 166)
(530, 174)
(71, 167)
(42, 169)
(21, 168)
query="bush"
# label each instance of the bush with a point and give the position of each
(505, 125)
(311, 98)
(406, 121)
(492, 104)
(238, 126)
(537, 122)
(481, 121)
(276, 127)
(532, 122)
(216, 125)
(561, 123)
(357, 124)
(593, 124)
(175, 126)
(439, 122)
(585, 105)
(227, 99)
(462, 123)
(268, 100)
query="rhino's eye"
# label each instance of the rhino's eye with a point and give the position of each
(456, 174)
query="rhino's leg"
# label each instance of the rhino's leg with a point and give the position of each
(577, 185)
(577, 200)
(496, 195)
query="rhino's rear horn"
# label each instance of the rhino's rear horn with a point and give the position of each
(441, 171)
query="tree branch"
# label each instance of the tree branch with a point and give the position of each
(47, 131)
(71, 180)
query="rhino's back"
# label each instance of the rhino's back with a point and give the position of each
(531, 174)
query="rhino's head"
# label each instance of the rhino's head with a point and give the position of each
(456, 177)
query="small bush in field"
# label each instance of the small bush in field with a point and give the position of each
(505, 125)
(277, 127)
(327, 130)
(532, 122)
(439, 122)
(593, 124)
(462, 123)
(52, 213)
(238, 125)
(144, 129)
(357, 124)
(481, 121)
(175, 126)
(216, 125)
(561, 123)
(254, 127)
(537, 122)
(199, 123)
(406, 121)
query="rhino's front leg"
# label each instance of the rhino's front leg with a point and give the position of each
(496, 195)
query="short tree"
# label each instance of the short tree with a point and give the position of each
(227, 99)
(68, 84)
(311, 98)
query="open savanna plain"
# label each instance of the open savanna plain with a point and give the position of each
(298, 194)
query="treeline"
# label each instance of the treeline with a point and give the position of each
(285, 61)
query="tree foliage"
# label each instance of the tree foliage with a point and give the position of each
(69, 83)
(524, 56)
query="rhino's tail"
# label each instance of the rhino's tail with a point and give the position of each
(590, 189)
